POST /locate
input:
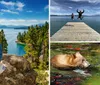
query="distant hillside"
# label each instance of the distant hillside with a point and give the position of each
(3, 26)
(13, 27)
(24, 27)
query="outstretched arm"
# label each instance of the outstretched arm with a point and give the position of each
(77, 11)
(83, 11)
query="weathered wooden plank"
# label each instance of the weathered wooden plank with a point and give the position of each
(76, 31)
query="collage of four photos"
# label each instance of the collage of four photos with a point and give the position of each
(49, 42)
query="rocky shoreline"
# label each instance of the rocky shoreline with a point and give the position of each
(16, 71)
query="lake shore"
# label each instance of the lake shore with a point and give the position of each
(10, 55)
(18, 42)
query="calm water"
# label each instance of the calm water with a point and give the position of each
(58, 21)
(13, 47)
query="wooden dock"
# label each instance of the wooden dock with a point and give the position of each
(76, 31)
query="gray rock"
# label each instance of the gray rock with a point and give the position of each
(19, 62)
(17, 71)
(20, 76)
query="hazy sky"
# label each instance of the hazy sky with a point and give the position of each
(23, 12)
(63, 7)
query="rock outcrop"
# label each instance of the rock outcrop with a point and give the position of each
(16, 71)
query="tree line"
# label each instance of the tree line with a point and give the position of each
(37, 45)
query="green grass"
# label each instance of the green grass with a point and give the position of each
(94, 80)
(92, 54)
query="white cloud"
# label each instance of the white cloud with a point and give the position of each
(46, 7)
(7, 3)
(29, 11)
(20, 6)
(90, 1)
(54, 8)
(70, 7)
(21, 22)
(9, 11)
(13, 5)
(57, 10)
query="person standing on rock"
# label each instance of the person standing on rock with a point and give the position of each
(80, 14)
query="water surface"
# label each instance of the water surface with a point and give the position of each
(57, 22)
(13, 47)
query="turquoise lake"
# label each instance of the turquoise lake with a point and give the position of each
(13, 47)
(56, 22)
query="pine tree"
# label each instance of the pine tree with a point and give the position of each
(37, 44)
(3, 41)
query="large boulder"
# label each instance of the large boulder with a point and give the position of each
(16, 70)
(18, 62)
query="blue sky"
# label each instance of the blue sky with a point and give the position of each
(63, 7)
(23, 12)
